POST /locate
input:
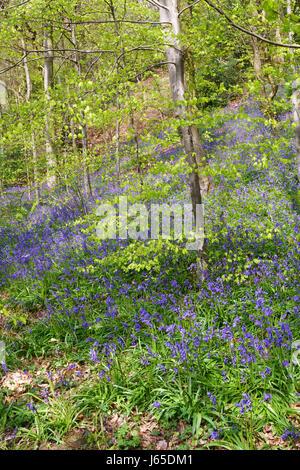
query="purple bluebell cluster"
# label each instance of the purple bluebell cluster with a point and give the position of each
(234, 330)
(245, 404)
(290, 434)
(32, 407)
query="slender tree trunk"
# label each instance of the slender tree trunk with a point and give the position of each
(256, 59)
(35, 168)
(258, 52)
(279, 58)
(84, 140)
(122, 65)
(3, 106)
(72, 128)
(137, 158)
(86, 173)
(118, 143)
(65, 162)
(33, 144)
(189, 134)
(295, 104)
(27, 173)
(48, 77)
(136, 145)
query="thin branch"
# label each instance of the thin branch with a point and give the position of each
(157, 4)
(35, 59)
(15, 6)
(188, 7)
(148, 47)
(120, 21)
(130, 78)
(151, 67)
(94, 62)
(15, 64)
(84, 51)
(144, 48)
(97, 51)
(143, 22)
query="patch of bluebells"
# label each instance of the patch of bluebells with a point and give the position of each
(157, 404)
(163, 309)
(216, 435)
(267, 397)
(290, 434)
(265, 373)
(32, 407)
(245, 404)
(212, 398)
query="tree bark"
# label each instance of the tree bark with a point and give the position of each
(295, 105)
(35, 168)
(86, 174)
(48, 77)
(84, 139)
(33, 143)
(3, 105)
(132, 124)
(118, 168)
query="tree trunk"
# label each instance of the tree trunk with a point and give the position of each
(132, 124)
(48, 77)
(295, 105)
(136, 145)
(33, 144)
(256, 59)
(27, 173)
(35, 168)
(84, 140)
(3, 105)
(118, 169)
(258, 53)
(189, 135)
(86, 174)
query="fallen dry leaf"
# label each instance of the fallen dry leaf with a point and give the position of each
(15, 381)
(162, 445)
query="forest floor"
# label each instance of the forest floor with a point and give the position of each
(117, 345)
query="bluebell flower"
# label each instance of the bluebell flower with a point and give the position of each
(32, 407)
(157, 404)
